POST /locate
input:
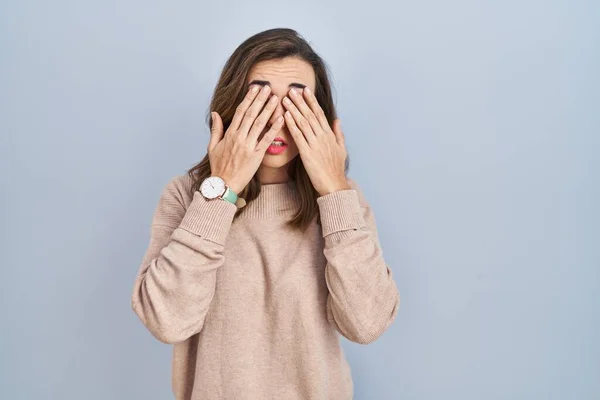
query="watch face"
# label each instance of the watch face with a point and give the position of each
(212, 187)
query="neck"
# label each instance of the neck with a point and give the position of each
(269, 175)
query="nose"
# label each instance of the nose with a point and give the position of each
(279, 110)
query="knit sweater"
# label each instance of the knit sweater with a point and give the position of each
(255, 309)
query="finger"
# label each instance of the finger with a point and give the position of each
(314, 105)
(339, 134)
(297, 97)
(254, 109)
(243, 106)
(216, 130)
(263, 119)
(265, 142)
(299, 121)
(296, 133)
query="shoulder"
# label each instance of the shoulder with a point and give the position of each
(174, 200)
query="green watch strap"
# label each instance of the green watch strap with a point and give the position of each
(230, 196)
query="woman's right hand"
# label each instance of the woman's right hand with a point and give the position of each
(238, 155)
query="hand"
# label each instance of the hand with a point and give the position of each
(322, 150)
(237, 157)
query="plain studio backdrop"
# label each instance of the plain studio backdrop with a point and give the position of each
(473, 129)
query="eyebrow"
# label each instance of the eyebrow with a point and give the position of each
(263, 83)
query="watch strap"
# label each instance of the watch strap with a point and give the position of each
(229, 195)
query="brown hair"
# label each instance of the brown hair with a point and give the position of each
(271, 44)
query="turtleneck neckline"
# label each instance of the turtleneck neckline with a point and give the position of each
(274, 200)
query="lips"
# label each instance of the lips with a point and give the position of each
(264, 132)
(279, 139)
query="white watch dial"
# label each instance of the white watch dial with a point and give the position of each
(212, 187)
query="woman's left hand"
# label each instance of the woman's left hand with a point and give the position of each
(323, 150)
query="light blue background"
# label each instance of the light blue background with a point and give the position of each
(473, 129)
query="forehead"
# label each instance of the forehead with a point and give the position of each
(283, 72)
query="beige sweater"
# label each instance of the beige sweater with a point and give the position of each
(254, 309)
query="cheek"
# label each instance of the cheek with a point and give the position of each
(293, 148)
(294, 153)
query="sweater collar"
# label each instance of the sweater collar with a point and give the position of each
(274, 200)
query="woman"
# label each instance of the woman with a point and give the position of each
(265, 252)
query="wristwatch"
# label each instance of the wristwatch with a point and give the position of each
(214, 187)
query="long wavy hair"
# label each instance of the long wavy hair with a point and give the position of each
(271, 44)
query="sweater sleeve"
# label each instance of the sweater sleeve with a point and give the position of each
(363, 298)
(176, 281)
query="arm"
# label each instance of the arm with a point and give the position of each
(363, 299)
(176, 280)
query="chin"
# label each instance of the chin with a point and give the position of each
(275, 161)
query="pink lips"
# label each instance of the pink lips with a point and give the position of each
(277, 149)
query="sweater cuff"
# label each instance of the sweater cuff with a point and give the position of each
(209, 219)
(340, 211)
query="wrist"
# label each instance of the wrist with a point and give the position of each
(233, 186)
(334, 188)
(230, 182)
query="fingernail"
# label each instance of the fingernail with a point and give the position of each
(265, 88)
(307, 90)
(294, 92)
(254, 88)
(286, 100)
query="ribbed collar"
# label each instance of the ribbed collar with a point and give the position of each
(275, 200)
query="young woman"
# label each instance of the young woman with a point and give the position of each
(265, 252)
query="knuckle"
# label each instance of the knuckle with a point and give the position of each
(302, 123)
(238, 143)
(250, 114)
(260, 123)
(244, 149)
